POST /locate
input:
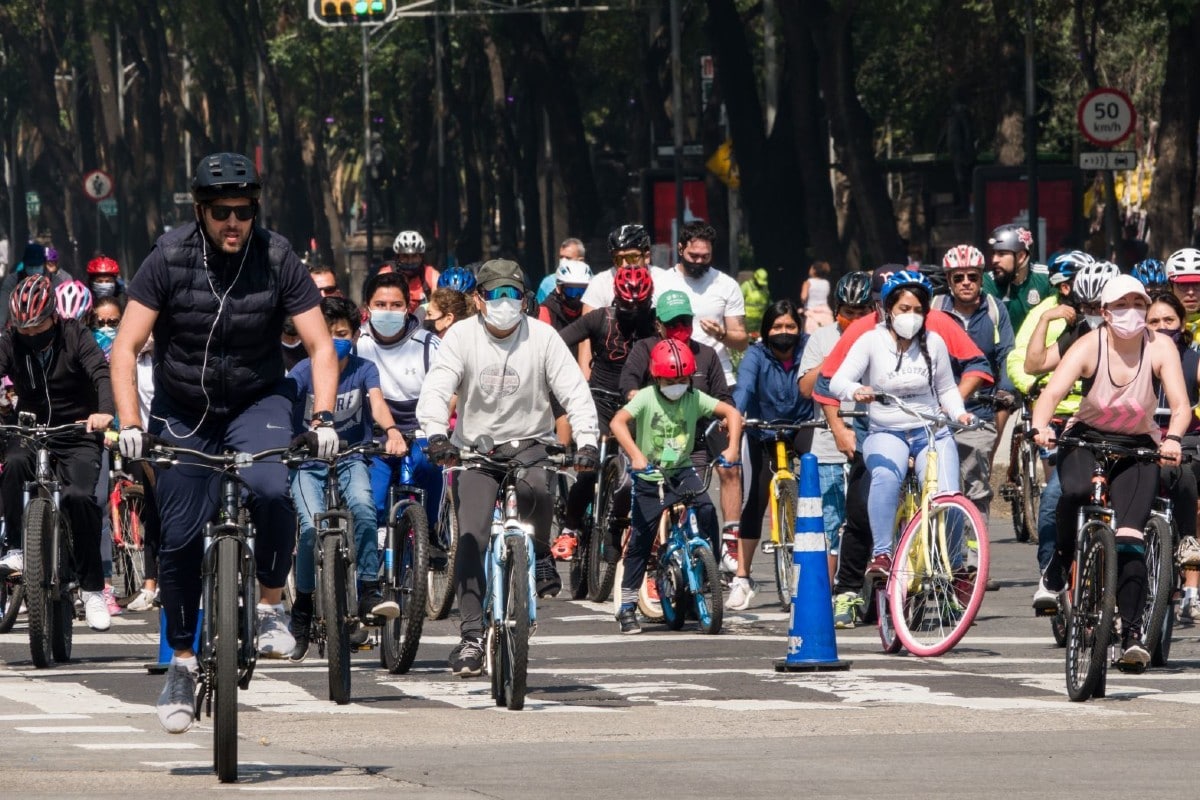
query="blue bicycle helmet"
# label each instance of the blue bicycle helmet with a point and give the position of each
(459, 279)
(906, 279)
(1065, 265)
(1152, 273)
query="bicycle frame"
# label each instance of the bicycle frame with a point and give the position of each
(333, 527)
(679, 531)
(402, 493)
(507, 524)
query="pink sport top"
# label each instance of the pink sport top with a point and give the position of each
(1127, 409)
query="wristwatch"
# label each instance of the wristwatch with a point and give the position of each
(322, 419)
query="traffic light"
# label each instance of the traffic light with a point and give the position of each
(350, 12)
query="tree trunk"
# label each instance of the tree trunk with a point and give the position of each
(1009, 136)
(1170, 209)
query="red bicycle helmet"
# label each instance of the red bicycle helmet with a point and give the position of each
(672, 359)
(103, 265)
(73, 299)
(32, 302)
(633, 284)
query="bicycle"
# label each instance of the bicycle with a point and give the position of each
(1092, 585)
(939, 571)
(12, 593)
(48, 578)
(228, 638)
(405, 573)
(443, 554)
(603, 529)
(1023, 489)
(510, 594)
(126, 503)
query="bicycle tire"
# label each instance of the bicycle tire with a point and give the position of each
(62, 605)
(672, 590)
(1091, 619)
(1031, 493)
(225, 616)
(12, 595)
(515, 651)
(401, 636)
(931, 608)
(577, 580)
(602, 574)
(883, 620)
(334, 580)
(785, 569)
(1160, 582)
(1058, 624)
(708, 601)
(1161, 655)
(129, 558)
(39, 522)
(443, 557)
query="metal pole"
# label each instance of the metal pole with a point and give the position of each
(677, 115)
(1031, 136)
(366, 159)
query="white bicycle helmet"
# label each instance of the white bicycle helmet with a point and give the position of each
(408, 243)
(1184, 263)
(572, 273)
(1090, 280)
(73, 300)
(963, 256)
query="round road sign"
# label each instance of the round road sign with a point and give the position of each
(97, 185)
(1106, 116)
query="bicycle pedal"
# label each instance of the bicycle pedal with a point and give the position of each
(1129, 669)
(767, 547)
(1045, 612)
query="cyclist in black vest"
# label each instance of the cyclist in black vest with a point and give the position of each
(215, 293)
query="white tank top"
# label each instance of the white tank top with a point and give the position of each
(818, 293)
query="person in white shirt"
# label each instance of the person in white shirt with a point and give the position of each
(627, 245)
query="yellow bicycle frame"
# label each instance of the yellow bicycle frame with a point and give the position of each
(783, 472)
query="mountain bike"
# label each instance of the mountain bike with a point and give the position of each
(510, 593)
(127, 503)
(228, 635)
(443, 554)
(405, 574)
(1023, 489)
(49, 579)
(12, 593)
(604, 528)
(940, 564)
(1092, 585)
(1159, 613)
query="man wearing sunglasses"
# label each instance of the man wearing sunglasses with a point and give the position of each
(215, 293)
(503, 366)
(987, 322)
(1015, 279)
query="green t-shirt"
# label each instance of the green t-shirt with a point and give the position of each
(666, 431)
(1020, 299)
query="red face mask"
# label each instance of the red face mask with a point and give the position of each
(680, 333)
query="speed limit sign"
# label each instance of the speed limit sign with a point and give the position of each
(1106, 116)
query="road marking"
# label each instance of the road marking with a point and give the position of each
(300, 788)
(149, 640)
(52, 697)
(204, 765)
(80, 729)
(478, 695)
(140, 746)
(758, 705)
(640, 692)
(40, 717)
(281, 697)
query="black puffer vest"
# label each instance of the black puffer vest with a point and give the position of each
(244, 359)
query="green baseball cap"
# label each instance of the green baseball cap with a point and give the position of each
(673, 304)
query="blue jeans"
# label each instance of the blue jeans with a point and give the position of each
(833, 503)
(426, 474)
(1047, 530)
(886, 453)
(308, 493)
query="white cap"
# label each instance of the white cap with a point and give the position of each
(1121, 286)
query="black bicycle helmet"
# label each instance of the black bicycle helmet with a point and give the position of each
(225, 175)
(629, 237)
(854, 289)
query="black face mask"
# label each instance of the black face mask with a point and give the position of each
(783, 342)
(430, 325)
(694, 269)
(39, 341)
(1174, 336)
(571, 303)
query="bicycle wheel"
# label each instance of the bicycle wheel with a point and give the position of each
(514, 650)
(603, 551)
(1090, 622)
(1160, 655)
(1160, 582)
(578, 574)
(12, 595)
(709, 605)
(938, 581)
(129, 562)
(39, 530)
(400, 637)
(225, 614)
(1031, 492)
(1058, 625)
(334, 580)
(785, 570)
(883, 620)
(443, 555)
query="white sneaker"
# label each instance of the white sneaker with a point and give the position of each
(13, 561)
(274, 638)
(1190, 612)
(177, 701)
(95, 609)
(741, 592)
(143, 602)
(1188, 554)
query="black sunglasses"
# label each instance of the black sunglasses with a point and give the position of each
(243, 213)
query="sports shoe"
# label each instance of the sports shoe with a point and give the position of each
(845, 610)
(964, 584)
(466, 660)
(627, 619)
(110, 601)
(648, 599)
(95, 610)
(729, 549)
(177, 702)
(301, 626)
(1135, 654)
(144, 601)
(880, 567)
(741, 592)
(1188, 554)
(548, 582)
(372, 603)
(13, 561)
(1189, 611)
(1045, 598)
(274, 639)
(564, 545)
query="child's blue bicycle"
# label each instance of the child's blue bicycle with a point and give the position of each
(404, 568)
(510, 599)
(687, 577)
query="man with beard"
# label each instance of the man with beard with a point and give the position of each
(1015, 278)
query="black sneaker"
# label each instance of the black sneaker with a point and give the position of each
(301, 626)
(1134, 655)
(627, 619)
(372, 606)
(466, 659)
(548, 582)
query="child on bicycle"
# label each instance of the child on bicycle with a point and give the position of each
(358, 388)
(666, 415)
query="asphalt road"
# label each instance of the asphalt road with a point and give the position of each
(663, 714)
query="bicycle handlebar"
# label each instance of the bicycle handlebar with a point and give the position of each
(39, 431)
(1111, 450)
(779, 425)
(938, 420)
(167, 455)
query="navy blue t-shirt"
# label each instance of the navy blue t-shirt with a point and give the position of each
(352, 412)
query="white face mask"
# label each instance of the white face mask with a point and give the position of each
(388, 323)
(1093, 320)
(906, 326)
(674, 391)
(503, 314)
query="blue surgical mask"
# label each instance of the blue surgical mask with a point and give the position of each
(388, 323)
(342, 347)
(104, 289)
(104, 336)
(38, 270)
